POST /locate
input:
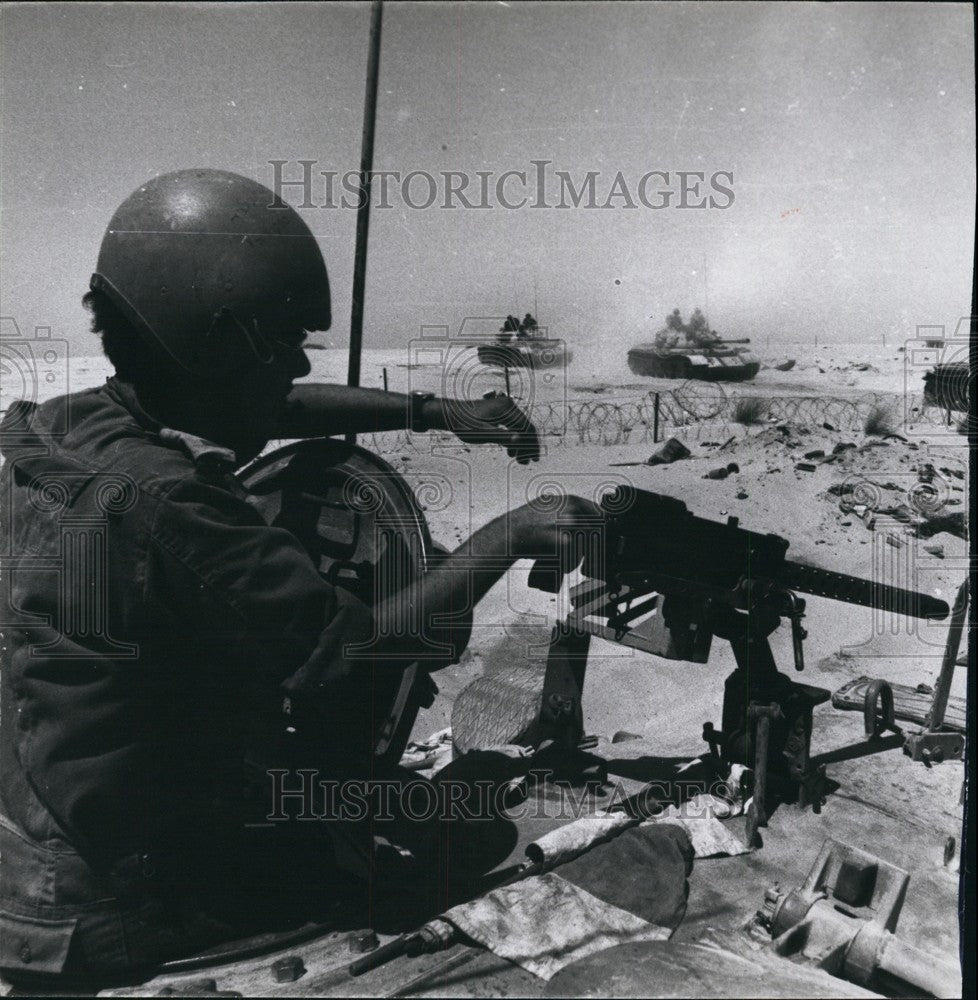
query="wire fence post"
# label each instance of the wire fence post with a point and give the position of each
(655, 418)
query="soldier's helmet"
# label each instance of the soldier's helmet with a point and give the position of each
(210, 267)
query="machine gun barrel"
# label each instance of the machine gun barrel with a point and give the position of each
(650, 538)
(856, 590)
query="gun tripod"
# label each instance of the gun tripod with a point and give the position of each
(767, 717)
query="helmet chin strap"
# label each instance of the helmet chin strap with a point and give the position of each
(256, 340)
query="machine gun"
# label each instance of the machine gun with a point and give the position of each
(662, 580)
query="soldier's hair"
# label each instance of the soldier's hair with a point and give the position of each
(133, 359)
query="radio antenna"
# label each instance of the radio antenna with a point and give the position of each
(363, 208)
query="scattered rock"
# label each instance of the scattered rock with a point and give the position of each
(817, 453)
(805, 467)
(720, 473)
(671, 451)
(935, 549)
(785, 366)
(622, 736)
(742, 494)
(846, 524)
(733, 467)
(894, 541)
(903, 514)
(895, 437)
(952, 523)
(828, 426)
(842, 446)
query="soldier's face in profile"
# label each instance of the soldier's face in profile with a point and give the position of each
(254, 400)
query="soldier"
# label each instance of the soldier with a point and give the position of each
(122, 746)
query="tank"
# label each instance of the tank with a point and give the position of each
(719, 361)
(536, 352)
(693, 351)
(524, 345)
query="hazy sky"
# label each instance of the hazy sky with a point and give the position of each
(848, 128)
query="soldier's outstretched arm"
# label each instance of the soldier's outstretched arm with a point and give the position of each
(463, 577)
(320, 409)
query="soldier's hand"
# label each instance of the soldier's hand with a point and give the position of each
(493, 420)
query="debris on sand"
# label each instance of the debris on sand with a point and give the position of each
(786, 434)
(952, 523)
(672, 451)
(921, 522)
(805, 467)
(723, 471)
(904, 514)
(935, 549)
(817, 453)
(785, 366)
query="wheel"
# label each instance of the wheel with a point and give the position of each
(362, 527)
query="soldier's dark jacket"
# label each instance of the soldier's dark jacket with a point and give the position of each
(150, 619)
